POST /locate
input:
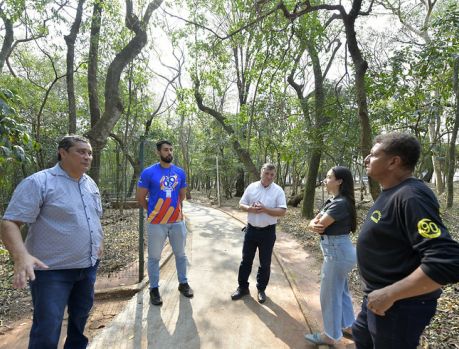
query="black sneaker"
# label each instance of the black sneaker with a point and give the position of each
(155, 298)
(261, 296)
(239, 293)
(186, 290)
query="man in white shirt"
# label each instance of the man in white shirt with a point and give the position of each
(264, 201)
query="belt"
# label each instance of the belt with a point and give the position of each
(331, 237)
(261, 228)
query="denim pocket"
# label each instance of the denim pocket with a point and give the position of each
(329, 250)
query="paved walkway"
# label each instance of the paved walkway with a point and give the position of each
(211, 319)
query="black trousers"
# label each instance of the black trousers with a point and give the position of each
(263, 239)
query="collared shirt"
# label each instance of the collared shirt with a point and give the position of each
(272, 197)
(63, 215)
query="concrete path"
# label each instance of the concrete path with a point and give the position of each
(210, 319)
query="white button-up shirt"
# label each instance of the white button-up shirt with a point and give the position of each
(272, 197)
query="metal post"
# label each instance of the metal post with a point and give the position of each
(141, 216)
(218, 185)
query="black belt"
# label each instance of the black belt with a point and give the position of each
(261, 228)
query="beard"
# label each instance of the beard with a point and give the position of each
(168, 159)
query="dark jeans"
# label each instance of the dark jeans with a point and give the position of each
(400, 328)
(52, 290)
(263, 239)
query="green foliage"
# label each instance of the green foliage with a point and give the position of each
(14, 139)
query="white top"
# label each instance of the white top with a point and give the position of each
(272, 197)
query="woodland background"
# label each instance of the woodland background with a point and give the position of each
(303, 84)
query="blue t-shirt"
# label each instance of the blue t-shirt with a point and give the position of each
(163, 186)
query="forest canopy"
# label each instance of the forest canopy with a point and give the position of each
(305, 85)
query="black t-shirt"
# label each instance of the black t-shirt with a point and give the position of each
(338, 208)
(403, 230)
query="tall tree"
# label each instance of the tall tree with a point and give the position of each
(309, 37)
(70, 41)
(101, 130)
(10, 13)
(417, 20)
(359, 62)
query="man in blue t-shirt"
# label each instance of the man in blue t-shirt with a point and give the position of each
(165, 185)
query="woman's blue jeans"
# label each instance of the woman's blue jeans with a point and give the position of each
(52, 291)
(335, 299)
(157, 234)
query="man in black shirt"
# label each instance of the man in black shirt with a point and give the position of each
(404, 251)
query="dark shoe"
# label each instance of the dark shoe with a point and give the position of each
(155, 298)
(239, 293)
(186, 290)
(261, 296)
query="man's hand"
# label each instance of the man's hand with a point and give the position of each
(100, 253)
(257, 207)
(23, 269)
(415, 284)
(379, 301)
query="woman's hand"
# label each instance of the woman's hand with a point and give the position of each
(315, 227)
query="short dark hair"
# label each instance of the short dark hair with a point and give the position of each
(159, 144)
(404, 145)
(69, 141)
(268, 166)
(346, 189)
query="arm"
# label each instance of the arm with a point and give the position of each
(141, 197)
(275, 212)
(250, 208)
(182, 195)
(260, 208)
(23, 261)
(320, 223)
(415, 284)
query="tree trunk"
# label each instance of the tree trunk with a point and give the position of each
(113, 105)
(452, 144)
(93, 64)
(242, 154)
(359, 63)
(439, 185)
(8, 39)
(70, 41)
(295, 200)
(239, 182)
(319, 121)
(360, 66)
(307, 209)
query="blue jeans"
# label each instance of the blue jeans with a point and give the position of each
(400, 328)
(335, 299)
(263, 239)
(157, 234)
(52, 290)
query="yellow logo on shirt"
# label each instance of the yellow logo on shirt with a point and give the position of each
(376, 216)
(428, 229)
